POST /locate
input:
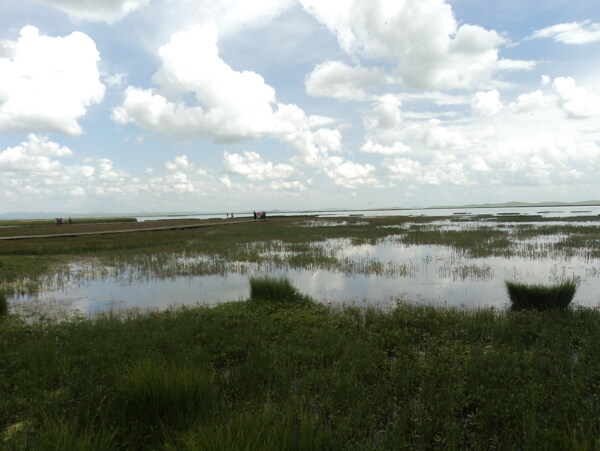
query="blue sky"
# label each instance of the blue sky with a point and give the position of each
(192, 105)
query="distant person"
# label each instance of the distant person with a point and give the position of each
(255, 216)
(70, 222)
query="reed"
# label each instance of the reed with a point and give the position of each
(540, 297)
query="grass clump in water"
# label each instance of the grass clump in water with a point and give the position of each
(3, 304)
(266, 288)
(540, 297)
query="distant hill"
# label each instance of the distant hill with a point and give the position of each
(585, 203)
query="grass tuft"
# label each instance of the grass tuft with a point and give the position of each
(267, 288)
(540, 297)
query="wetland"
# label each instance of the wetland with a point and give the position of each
(454, 261)
(241, 370)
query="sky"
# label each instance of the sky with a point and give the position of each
(232, 105)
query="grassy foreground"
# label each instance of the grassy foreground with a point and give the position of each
(284, 375)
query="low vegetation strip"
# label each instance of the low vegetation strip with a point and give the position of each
(71, 221)
(286, 375)
(105, 229)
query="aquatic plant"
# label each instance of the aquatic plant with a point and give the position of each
(540, 297)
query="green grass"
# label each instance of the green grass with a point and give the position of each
(540, 297)
(246, 375)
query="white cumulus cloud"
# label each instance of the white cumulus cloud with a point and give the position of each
(577, 101)
(33, 155)
(232, 105)
(229, 105)
(395, 149)
(351, 175)
(385, 117)
(47, 83)
(422, 37)
(486, 103)
(338, 80)
(254, 167)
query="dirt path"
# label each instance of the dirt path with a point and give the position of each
(131, 230)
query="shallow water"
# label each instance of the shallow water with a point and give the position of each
(437, 275)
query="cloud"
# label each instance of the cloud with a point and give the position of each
(229, 105)
(34, 155)
(179, 163)
(46, 83)
(531, 101)
(319, 121)
(328, 140)
(422, 37)
(45, 173)
(396, 148)
(115, 80)
(348, 174)
(385, 116)
(295, 186)
(576, 100)
(35, 169)
(340, 81)
(442, 170)
(575, 33)
(108, 11)
(438, 98)
(228, 16)
(548, 136)
(486, 103)
(254, 167)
